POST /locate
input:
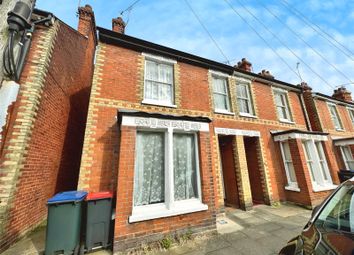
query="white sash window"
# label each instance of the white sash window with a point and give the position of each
(221, 94)
(244, 99)
(347, 157)
(282, 105)
(335, 117)
(289, 167)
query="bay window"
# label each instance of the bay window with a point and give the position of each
(317, 165)
(289, 167)
(347, 157)
(166, 178)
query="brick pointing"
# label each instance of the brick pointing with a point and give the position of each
(42, 150)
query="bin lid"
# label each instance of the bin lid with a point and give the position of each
(99, 195)
(68, 196)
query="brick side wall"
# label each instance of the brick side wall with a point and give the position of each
(46, 136)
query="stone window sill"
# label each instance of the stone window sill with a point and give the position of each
(155, 211)
(291, 188)
(157, 103)
(224, 112)
(317, 188)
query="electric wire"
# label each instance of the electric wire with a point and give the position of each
(276, 37)
(305, 42)
(130, 7)
(262, 38)
(318, 29)
(207, 31)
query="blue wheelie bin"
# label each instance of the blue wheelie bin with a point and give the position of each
(64, 223)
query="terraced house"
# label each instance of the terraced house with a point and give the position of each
(179, 138)
(335, 116)
(176, 137)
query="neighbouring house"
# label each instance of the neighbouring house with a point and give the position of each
(334, 115)
(41, 141)
(179, 137)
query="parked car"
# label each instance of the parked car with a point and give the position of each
(331, 227)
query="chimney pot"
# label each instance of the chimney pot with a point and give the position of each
(244, 64)
(118, 25)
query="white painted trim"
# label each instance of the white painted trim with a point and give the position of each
(149, 122)
(231, 131)
(286, 121)
(160, 211)
(317, 188)
(344, 142)
(219, 74)
(159, 58)
(158, 103)
(242, 114)
(279, 138)
(219, 111)
(291, 188)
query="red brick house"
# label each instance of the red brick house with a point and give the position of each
(41, 142)
(334, 115)
(179, 137)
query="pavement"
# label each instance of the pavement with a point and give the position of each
(263, 230)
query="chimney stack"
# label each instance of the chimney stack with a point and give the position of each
(245, 65)
(266, 73)
(305, 87)
(342, 94)
(118, 25)
(86, 20)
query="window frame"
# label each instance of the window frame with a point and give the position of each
(159, 61)
(215, 75)
(345, 159)
(351, 114)
(169, 207)
(334, 106)
(319, 183)
(249, 99)
(290, 184)
(283, 93)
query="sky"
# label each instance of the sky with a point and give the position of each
(311, 41)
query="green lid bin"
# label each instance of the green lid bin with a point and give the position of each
(98, 219)
(64, 223)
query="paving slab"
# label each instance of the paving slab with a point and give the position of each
(263, 230)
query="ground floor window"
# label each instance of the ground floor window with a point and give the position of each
(166, 178)
(347, 157)
(289, 167)
(317, 164)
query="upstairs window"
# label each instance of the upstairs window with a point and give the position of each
(221, 94)
(159, 85)
(351, 114)
(282, 105)
(244, 99)
(335, 117)
(289, 167)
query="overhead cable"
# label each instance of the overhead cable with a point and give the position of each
(305, 42)
(262, 38)
(207, 31)
(319, 30)
(276, 37)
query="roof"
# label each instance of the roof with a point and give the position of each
(329, 98)
(126, 41)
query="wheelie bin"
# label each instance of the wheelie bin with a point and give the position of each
(98, 219)
(64, 223)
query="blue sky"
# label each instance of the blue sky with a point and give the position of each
(171, 23)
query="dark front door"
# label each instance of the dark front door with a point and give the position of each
(228, 171)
